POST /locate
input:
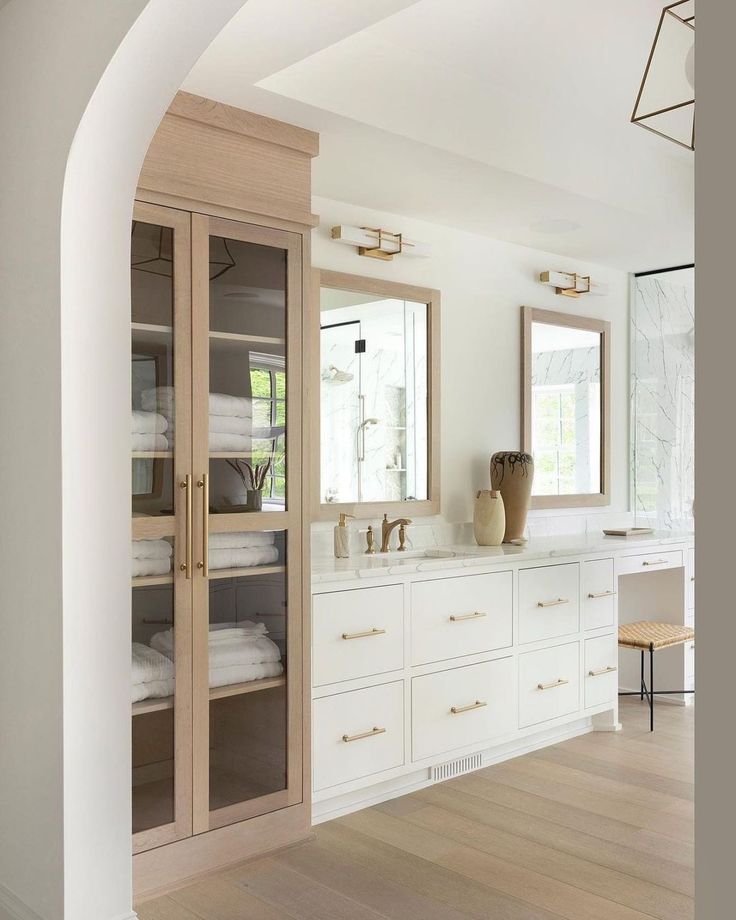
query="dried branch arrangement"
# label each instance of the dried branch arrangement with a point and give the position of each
(253, 476)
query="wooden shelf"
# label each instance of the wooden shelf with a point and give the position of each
(150, 334)
(242, 337)
(216, 693)
(251, 686)
(248, 571)
(152, 455)
(148, 581)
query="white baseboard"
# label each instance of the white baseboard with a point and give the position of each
(12, 908)
(420, 778)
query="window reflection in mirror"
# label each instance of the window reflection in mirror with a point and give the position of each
(566, 410)
(373, 398)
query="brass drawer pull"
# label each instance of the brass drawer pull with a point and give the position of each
(555, 603)
(369, 734)
(607, 670)
(654, 562)
(560, 682)
(364, 635)
(478, 704)
(601, 594)
(467, 616)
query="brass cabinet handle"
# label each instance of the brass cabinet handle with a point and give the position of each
(478, 704)
(654, 562)
(364, 635)
(560, 682)
(478, 615)
(186, 483)
(609, 669)
(369, 734)
(555, 603)
(204, 485)
(601, 594)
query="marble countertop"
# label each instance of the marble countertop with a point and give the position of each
(457, 556)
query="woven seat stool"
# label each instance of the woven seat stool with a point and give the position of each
(647, 636)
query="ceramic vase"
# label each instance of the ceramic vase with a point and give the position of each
(489, 518)
(512, 474)
(253, 500)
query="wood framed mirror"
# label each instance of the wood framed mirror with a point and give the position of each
(375, 381)
(565, 407)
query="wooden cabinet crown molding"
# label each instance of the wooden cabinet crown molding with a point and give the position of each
(248, 165)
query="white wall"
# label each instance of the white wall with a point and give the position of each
(484, 283)
(84, 86)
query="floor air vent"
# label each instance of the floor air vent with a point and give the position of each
(456, 767)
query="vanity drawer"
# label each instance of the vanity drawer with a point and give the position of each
(650, 562)
(461, 616)
(358, 733)
(549, 683)
(357, 633)
(549, 604)
(601, 670)
(462, 707)
(598, 593)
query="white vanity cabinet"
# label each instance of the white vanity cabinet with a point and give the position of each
(426, 669)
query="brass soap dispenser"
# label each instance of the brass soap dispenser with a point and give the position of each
(342, 537)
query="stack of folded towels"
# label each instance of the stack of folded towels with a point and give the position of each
(152, 673)
(230, 421)
(238, 652)
(148, 430)
(240, 550)
(151, 557)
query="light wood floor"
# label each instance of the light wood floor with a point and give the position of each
(596, 828)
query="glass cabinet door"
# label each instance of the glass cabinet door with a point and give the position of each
(160, 573)
(246, 315)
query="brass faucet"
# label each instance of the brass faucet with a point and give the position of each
(386, 528)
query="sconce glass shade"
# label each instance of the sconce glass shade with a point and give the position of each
(666, 100)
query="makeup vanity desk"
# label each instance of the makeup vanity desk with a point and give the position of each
(432, 663)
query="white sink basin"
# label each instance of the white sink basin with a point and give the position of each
(412, 554)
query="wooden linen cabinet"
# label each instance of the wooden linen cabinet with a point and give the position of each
(221, 763)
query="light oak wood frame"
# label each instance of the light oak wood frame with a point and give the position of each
(393, 289)
(176, 527)
(531, 315)
(289, 520)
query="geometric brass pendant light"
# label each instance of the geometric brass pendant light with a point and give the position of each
(666, 100)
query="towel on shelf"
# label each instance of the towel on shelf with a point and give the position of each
(161, 399)
(151, 549)
(139, 568)
(148, 664)
(241, 674)
(146, 442)
(231, 443)
(242, 557)
(230, 655)
(241, 540)
(153, 689)
(147, 422)
(230, 424)
(225, 632)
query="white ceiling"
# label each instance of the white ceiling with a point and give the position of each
(506, 119)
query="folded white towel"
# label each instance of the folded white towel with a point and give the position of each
(230, 424)
(221, 441)
(148, 664)
(147, 422)
(150, 442)
(155, 689)
(141, 567)
(161, 399)
(233, 653)
(226, 632)
(240, 540)
(244, 557)
(151, 549)
(240, 674)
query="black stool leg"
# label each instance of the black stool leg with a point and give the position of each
(651, 686)
(641, 684)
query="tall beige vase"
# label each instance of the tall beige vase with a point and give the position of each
(489, 518)
(512, 474)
